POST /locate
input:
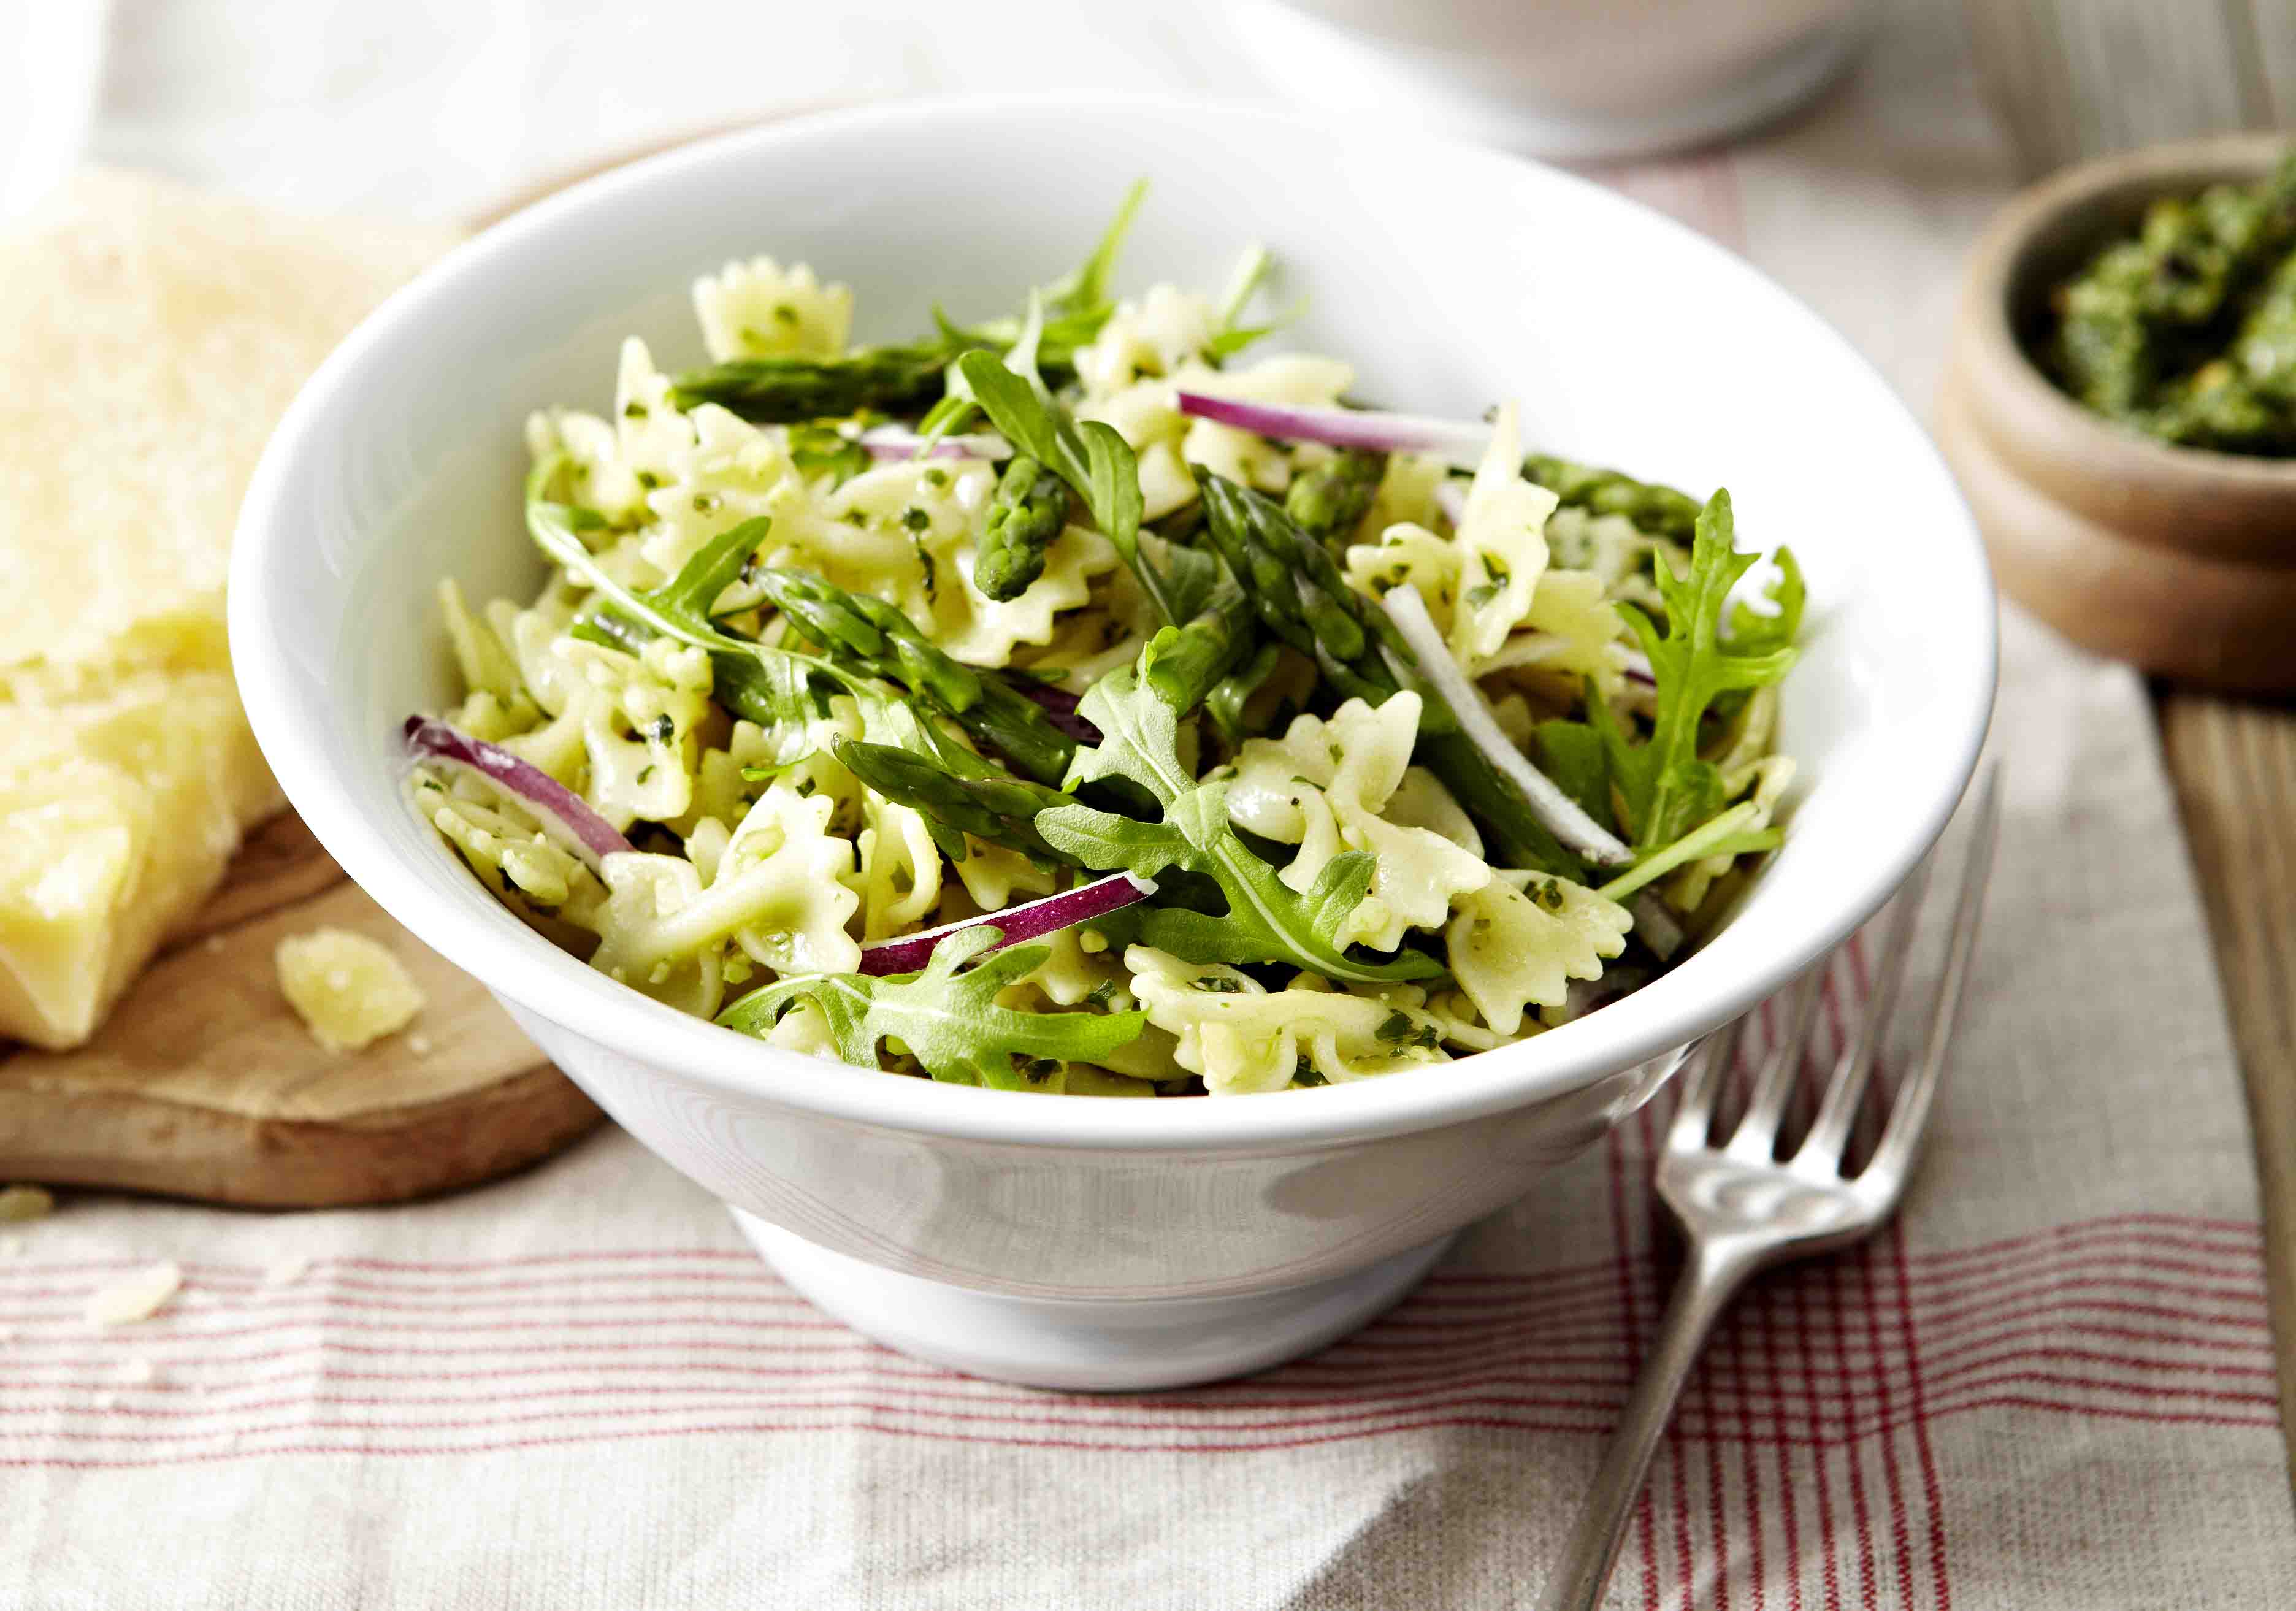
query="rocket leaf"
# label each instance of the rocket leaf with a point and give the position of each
(946, 1016)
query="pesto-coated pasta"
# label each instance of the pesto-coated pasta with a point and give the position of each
(762, 593)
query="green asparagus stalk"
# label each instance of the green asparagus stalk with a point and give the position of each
(1184, 664)
(992, 806)
(1659, 510)
(911, 377)
(1329, 501)
(783, 390)
(1303, 597)
(874, 638)
(1030, 506)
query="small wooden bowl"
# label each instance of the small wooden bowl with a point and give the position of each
(2178, 559)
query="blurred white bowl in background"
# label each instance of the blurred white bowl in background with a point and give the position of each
(1557, 78)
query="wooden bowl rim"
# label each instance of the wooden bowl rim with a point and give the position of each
(2002, 359)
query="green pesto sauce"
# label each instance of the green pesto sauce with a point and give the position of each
(2186, 330)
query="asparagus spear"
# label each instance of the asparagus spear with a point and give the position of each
(781, 390)
(910, 377)
(1030, 506)
(873, 638)
(1302, 598)
(988, 804)
(1329, 501)
(1661, 511)
(1184, 664)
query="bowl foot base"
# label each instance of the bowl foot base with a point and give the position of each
(1127, 1345)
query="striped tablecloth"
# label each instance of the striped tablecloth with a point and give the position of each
(2049, 1385)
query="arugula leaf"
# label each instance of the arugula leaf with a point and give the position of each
(1229, 335)
(948, 1020)
(1571, 753)
(1266, 920)
(1084, 289)
(1664, 787)
(1098, 463)
(1754, 633)
(776, 688)
(1726, 835)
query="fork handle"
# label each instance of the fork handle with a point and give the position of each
(1708, 1281)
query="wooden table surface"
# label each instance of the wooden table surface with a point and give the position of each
(2234, 768)
(2072, 79)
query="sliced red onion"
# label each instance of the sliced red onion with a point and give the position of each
(1031, 920)
(1654, 925)
(1460, 443)
(1451, 498)
(1583, 996)
(900, 442)
(1059, 706)
(1562, 814)
(565, 817)
(1638, 669)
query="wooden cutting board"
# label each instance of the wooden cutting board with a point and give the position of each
(205, 1084)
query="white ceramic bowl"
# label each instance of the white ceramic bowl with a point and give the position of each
(1074, 1242)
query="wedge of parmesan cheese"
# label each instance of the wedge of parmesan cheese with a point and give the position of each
(150, 336)
(350, 990)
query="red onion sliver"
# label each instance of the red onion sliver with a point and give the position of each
(1059, 707)
(1460, 443)
(1655, 925)
(565, 815)
(1562, 815)
(900, 442)
(1638, 669)
(1031, 920)
(1451, 498)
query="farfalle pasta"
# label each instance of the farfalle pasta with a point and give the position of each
(1071, 702)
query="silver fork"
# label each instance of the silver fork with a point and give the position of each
(1744, 1210)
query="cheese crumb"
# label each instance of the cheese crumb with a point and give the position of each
(139, 1297)
(350, 990)
(20, 1203)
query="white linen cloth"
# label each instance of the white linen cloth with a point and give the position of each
(2049, 1385)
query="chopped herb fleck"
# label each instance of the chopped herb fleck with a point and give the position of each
(634, 410)
(648, 479)
(786, 313)
(706, 503)
(936, 477)
(1217, 986)
(915, 519)
(1477, 597)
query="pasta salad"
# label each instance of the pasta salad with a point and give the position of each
(1077, 702)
